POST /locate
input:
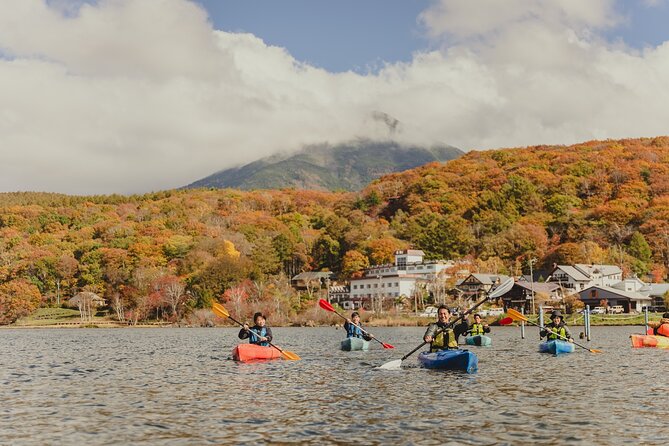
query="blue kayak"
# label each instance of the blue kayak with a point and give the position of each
(352, 344)
(556, 347)
(480, 340)
(455, 359)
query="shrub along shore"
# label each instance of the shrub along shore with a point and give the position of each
(66, 318)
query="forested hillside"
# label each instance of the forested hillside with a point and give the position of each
(601, 201)
(172, 252)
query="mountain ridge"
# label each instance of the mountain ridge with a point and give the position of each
(355, 164)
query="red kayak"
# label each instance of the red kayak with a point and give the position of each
(639, 341)
(252, 352)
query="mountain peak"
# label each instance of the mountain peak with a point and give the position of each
(350, 166)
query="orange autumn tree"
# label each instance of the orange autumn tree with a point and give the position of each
(18, 298)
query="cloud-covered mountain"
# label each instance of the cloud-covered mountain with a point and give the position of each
(348, 166)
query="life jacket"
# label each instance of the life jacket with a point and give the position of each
(663, 329)
(254, 336)
(353, 331)
(443, 340)
(476, 329)
(553, 333)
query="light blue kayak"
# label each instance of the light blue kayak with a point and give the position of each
(556, 347)
(455, 359)
(480, 340)
(352, 344)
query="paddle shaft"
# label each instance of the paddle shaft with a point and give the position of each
(450, 324)
(524, 319)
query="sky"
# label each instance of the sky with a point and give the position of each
(134, 96)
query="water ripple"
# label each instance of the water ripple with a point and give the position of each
(179, 387)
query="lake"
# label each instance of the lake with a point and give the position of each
(175, 386)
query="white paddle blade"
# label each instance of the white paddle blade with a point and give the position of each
(501, 289)
(391, 365)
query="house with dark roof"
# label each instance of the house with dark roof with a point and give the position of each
(477, 283)
(629, 300)
(520, 296)
(313, 279)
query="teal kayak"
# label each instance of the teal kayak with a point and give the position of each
(480, 340)
(352, 344)
(556, 347)
(455, 359)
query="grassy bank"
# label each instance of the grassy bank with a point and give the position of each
(62, 317)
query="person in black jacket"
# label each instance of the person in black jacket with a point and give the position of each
(259, 334)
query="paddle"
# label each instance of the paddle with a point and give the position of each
(324, 304)
(517, 315)
(222, 312)
(505, 321)
(499, 291)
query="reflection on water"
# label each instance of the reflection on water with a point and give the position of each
(179, 386)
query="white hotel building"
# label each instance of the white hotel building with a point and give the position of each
(388, 282)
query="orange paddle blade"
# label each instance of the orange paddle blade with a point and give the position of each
(290, 355)
(220, 310)
(516, 315)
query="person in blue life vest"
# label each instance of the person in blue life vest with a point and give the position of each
(355, 332)
(439, 334)
(259, 334)
(478, 327)
(556, 327)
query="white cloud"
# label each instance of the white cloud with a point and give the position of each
(137, 95)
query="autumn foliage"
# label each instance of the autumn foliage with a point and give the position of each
(170, 252)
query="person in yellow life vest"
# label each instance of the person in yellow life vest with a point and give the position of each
(556, 329)
(478, 327)
(661, 328)
(439, 334)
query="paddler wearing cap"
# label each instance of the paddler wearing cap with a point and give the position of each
(556, 329)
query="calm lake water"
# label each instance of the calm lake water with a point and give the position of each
(179, 387)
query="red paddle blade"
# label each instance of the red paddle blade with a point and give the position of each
(387, 345)
(324, 304)
(505, 321)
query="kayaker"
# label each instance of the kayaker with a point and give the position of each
(478, 327)
(556, 327)
(661, 328)
(438, 335)
(259, 334)
(355, 332)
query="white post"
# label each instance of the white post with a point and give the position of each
(541, 318)
(531, 261)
